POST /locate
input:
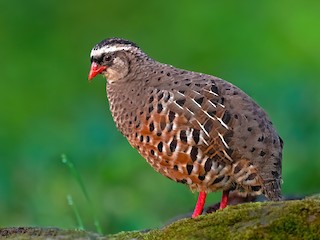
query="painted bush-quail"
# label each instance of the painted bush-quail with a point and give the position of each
(193, 128)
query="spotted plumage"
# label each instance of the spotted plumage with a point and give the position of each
(193, 128)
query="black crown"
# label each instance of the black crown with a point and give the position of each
(113, 41)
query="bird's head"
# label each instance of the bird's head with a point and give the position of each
(112, 57)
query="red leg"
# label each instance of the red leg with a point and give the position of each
(224, 199)
(200, 204)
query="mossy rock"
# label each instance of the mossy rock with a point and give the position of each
(299, 219)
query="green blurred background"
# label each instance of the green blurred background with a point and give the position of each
(270, 49)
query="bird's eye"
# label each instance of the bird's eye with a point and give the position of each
(107, 58)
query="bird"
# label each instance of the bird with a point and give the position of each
(193, 128)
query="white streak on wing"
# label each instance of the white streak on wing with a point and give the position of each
(212, 104)
(181, 94)
(202, 128)
(198, 94)
(109, 49)
(205, 112)
(200, 157)
(189, 137)
(226, 154)
(222, 123)
(177, 105)
(223, 141)
(196, 103)
(206, 90)
(188, 151)
(221, 105)
(195, 167)
(192, 113)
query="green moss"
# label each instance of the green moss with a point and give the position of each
(269, 220)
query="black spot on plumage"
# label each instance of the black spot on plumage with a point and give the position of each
(218, 179)
(160, 146)
(251, 176)
(226, 117)
(256, 188)
(249, 129)
(229, 151)
(275, 174)
(214, 89)
(181, 102)
(262, 153)
(141, 138)
(159, 108)
(152, 152)
(236, 169)
(183, 136)
(160, 96)
(150, 109)
(211, 151)
(196, 135)
(184, 181)
(260, 139)
(151, 126)
(281, 142)
(172, 115)
(252, 149)
(166, 98)
(175, 167)
(201, 177)
(173, 145)
(151, 99)
(212, 113)
(189, 168)
(199, 100)
(208, 165)
(194, 153)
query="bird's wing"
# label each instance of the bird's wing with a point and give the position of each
(184, 131)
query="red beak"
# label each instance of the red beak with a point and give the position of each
(95, 70)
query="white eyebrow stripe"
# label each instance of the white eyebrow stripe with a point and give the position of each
(109, 49)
